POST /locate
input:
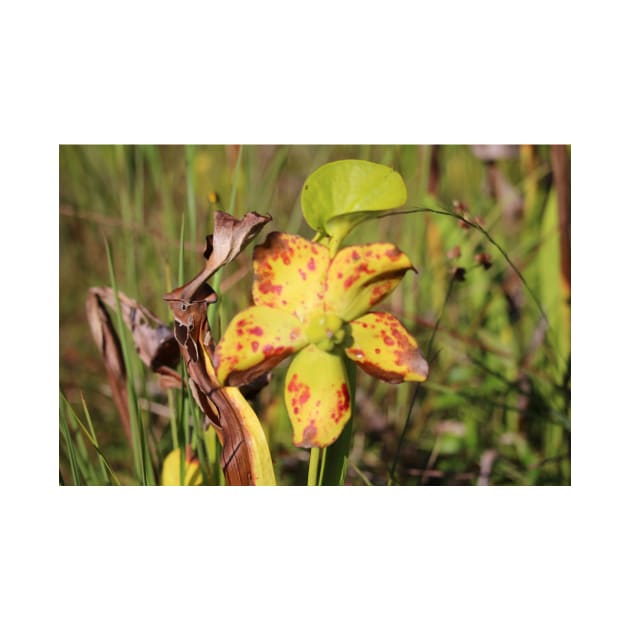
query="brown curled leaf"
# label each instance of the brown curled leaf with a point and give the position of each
(154, 342)
(108, 343)
(231, 236)
(153, 339)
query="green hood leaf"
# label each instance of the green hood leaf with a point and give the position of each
(340, 195)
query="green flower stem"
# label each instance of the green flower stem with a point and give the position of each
(322, 466)
(313, 466)
(334, 246)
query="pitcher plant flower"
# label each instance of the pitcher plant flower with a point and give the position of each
(315, 305)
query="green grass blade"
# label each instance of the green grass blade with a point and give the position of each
(216, 279)
(94, 440)
(88, 472)
(235, 180)
(75, 472)
(134, 411)
(180, 255)
(361, 475)
(190, 192)
(106, 469)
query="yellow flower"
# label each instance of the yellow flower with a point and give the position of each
(309, 304)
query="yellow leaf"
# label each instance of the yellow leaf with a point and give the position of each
(383, 348)
(317, 397)
(255, 440)
(255, 341)
(171, 470)
(290, 274)
(361, 276)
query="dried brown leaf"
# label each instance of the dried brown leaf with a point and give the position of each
(154, 340)
(231, 236)
(108, 343)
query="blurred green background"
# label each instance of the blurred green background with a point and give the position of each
(496, 407)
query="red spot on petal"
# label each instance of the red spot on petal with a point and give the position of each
(255, 345)
(355, 255)
(342, 403)
(388, 340)
(311, 264)
(301, 390)
(266, 286)
(346, 395)
(302, 274)
(379, 291)
(239, 346)
(269, 350)
(377, 350)
(293, 383)
(256, 330)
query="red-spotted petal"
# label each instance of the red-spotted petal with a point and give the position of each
(317, 397)
(255, 341)
(383, 348)
(290, 274)
(361, 276)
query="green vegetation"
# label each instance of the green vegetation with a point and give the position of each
(490, 308)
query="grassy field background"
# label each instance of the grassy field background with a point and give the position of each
(496, 408)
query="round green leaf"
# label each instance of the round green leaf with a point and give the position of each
(339, 195)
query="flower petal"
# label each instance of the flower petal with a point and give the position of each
(361, 276)
(383, 348)
(173, 467)
(255, 341)
(290, 274)
(317, 397)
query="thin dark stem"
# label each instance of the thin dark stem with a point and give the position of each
(416, 389)
(450, 213)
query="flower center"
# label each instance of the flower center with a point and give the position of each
(325, 330)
